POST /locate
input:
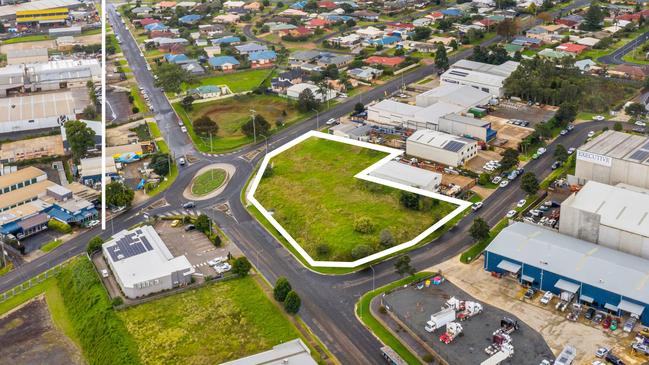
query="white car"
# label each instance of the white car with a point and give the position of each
(641, 124)
(591, 134)
(564, 132)
(496, 180)
(571, 150)
(601, 352)
(476, 206)
(547, 297)
(104, 273)
(511, 213)
(183, 129)
(215, 262)
(182, 161)
(332, 121)
(521, 203)
(504, 183)
(223, 267)
(93, 223)
(598, 118)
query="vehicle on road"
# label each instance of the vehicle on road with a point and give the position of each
(182, 161)
(332, 121)
(496, 179)
(104, 273)
(176, 223)
(476, 206)
(190, 227)
(521, 203)
(591, 134)
(640, 123)
(511, 213)
(93, 223)
(189, 205)
(555, 165)
(571, 150)
(183, 129)
(504, 183)
(563, 132)
(598, 118)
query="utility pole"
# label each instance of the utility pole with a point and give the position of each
(254, 129)
(317, 119)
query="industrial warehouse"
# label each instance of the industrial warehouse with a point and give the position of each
(613, 216)
(142, 263)
(592, 274)
(614, 157)
(441, 147)
(482, 76)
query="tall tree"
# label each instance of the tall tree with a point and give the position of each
(441, 59)
(80, 137)
(261, 126)
(292, 302)
(171, 77)
(593, 18)
(479, 229)
(507, 28)
(205, 125)
(307, 101)
(118, 194)
(402, 266)
(560, 153)
(241, 266)
(281, 289)
(529, 183)
(509, 160)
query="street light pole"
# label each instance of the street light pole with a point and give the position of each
(317, 119)
(254, 129)
(373, 273)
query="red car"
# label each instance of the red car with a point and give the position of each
(607, 322)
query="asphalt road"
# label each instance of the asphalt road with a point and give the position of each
(328, 301)
(615, 58)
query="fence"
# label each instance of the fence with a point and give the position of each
(26, 285)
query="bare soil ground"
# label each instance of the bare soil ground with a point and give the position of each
(29, 336)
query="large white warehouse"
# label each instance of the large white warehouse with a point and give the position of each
(440, 147)
(142, 263)
(482, 76)
(614, 157)
(613, 216)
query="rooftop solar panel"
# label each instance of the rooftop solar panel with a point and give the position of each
(646, 146)
(129, 246)
(454, 146)
(639, 155)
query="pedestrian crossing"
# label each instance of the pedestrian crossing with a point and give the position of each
(179, 212)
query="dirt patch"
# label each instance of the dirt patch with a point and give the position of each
(512, 133)
(27, 45)
(29, 336)
(122, 135)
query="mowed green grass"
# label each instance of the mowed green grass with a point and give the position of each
(208, 181)
(313, 194)
(231, 113)
(238, 81)
(209, 325)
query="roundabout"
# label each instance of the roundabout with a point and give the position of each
(209, 182)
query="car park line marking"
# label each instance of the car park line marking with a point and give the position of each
(363, 175)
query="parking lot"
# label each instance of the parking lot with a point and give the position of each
(508, 132)
(194, 245)
(414, 307)
(522, 111)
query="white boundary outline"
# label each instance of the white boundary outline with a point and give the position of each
(363, 175)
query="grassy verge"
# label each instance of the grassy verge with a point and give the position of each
(28, 38)
(154, 129)
(208, 181)
(102, 335)
(173, 174)
(51, 245)
(208, 325)
(363, 312)
(475, 250)
(5, 269)
(138, 101)
(239, 81)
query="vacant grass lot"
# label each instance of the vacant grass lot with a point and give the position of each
(313, 194)
(239, 81)
(208, 181)
(209, 325)
(231, 113)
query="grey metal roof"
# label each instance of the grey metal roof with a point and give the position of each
(621, 146)
(585, 262)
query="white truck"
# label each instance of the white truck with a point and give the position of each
(453, 330)
(440, 319)
(506, 351)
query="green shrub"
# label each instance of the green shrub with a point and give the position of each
(102, 335)
(94, 245)
(363, 225)
(281, 289)
(292, 302)
(59, 226)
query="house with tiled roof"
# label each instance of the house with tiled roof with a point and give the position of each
(384, 61)
(571, 48)
(316, 23)
(327, 5)
(146, 21)
(262, 59)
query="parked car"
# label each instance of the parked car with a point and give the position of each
(601, 352)
(590, 312)
(189, 205)
(610, 358)
(640, 124)
(176, 223)
(521, 203)
(529, 293)
(598, 318)
(216, 261)
(182, 161)
(614, 324)
(190, 227)
(607, 322)
(591, 134)
(556, 165)
(547, 297)
(496, 180)
(504, 183)
(511, 213)
(598, 118)
(563, 132)
(629, 324)
(104, 273)
(183, 129)
(570, 127)
(476, 206)
(93, 223)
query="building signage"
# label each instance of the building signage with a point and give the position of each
(594, 158)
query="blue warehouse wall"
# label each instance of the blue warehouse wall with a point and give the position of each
(546, 280)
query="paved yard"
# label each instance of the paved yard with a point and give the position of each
(194, 245)
(414, 308)
(532, 114)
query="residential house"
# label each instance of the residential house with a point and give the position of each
(388, 42)
(552, 54)
(145, 21)
(141, 11)
(166, 5)
(365, 73)
(211, 29)
(279, 86)
(193, 67)
(338, 60)
(234, 4)
(452, 12)
(370, 33)
(304, 56)
(629, 71)
(294, 13)
(206, 91)
(317, 23)
(385, 61)
(155, 26)
(295, 91)
(262, 59)
(435, 16)
(189, 19)
(176, 58)
(527, 42)
(253, 6)
(248, 48)
(571, 21)
(294, 76)
(161, 34)
(422, 22)
(348, 41)
(277, 28)
(226, 18)
(589, 42)
(300, 31)
(223, 63)
(585, 65)
(329, 5)
(573, 48)
(212, 50)
(226, 40)
(366, 15)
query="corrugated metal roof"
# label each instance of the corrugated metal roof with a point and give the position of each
(582, 261)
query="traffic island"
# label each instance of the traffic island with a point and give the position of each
(209, 182)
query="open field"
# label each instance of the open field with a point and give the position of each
(239, 81)
(231, 113)
(30, 336)
(208, 181)
(313, 194)
(209, 325)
